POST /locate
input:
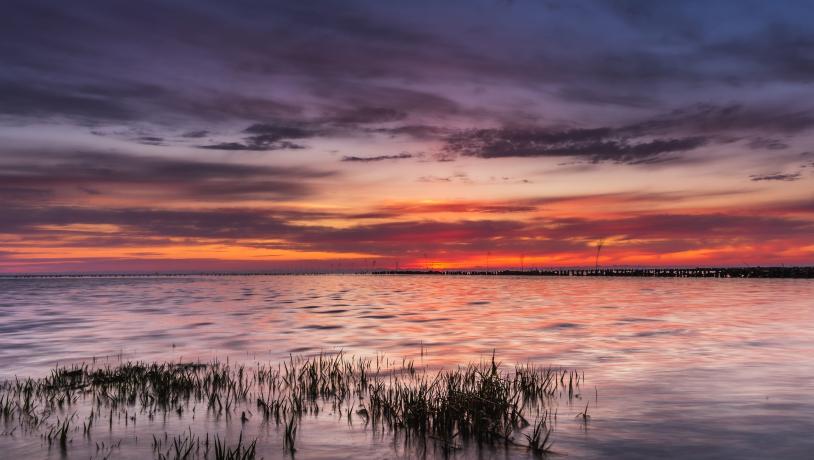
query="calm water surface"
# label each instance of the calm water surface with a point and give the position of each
(680, 368)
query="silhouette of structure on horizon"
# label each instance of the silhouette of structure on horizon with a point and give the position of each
(698, 272)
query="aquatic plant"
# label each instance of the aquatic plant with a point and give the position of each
(484, 403)
(539, 440)
(238, 452)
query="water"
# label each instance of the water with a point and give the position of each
(675, 368)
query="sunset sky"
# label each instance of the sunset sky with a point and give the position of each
(262, 135)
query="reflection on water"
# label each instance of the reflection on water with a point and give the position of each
(703, 368)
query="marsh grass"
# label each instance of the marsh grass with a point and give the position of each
(539, 440)
(483, 404)
(240, 451)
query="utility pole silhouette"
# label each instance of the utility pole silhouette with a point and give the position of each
(598, 248)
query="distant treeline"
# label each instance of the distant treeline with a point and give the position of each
(699, 272)
(743, 272)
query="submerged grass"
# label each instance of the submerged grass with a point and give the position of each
(238, 452)
(485, 404)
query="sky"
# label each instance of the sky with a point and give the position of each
(348, 135)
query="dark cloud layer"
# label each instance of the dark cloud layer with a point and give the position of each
(60, 173)
(596, 145)
(645, 141)
(370, 62)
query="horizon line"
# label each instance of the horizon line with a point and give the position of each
(800, 271)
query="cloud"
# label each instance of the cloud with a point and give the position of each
(400, 156)
(273, 133)
(733, 118)
(260, 223)
(197, 134)
(659, 138)
(758, 45)
(414, 131)
(711, 228)
(457, 207)
(266, 137)
(386, 64)
(254, 143)
(151, 140)
(596, 145)
(141, 223)
(145, 86)
(457, 177)
(85, 103)
(799, 206)
(140, 226)
(786, 177)
(116, 100)
(546, 234)
(775, 52)
(15, 194)
(597, 97)
(168, 178)
(367, 115)
(765, 143)
(409, 237)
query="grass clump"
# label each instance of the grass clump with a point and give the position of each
(482, 404)
(238, 452)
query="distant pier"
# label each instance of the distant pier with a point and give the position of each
(698, 272)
